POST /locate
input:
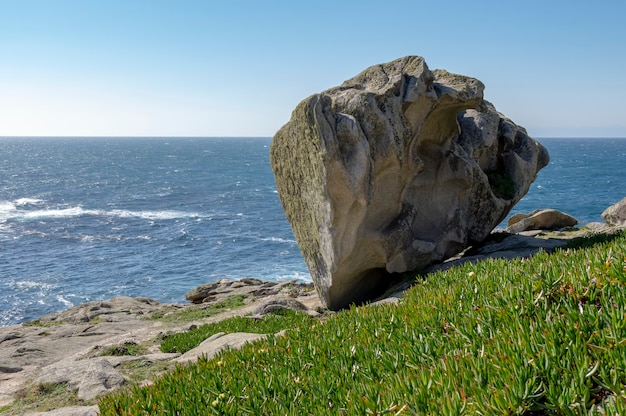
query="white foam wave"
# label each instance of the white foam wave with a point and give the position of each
(7, 207)
(58, 213)
(28, 284)
(11, 210)
(278, 240)
(305, 277)
(154, 215)
(64, 301)
(10, 207)
(28, 201)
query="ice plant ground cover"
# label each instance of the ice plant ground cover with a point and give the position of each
(546, 335)
(184, 341)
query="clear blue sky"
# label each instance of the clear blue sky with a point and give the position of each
(238, 68)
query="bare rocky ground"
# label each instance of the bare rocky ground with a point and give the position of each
(60, 363)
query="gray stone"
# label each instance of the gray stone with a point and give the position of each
(513, 246)
(598, 227)
(544, 219)
(278, 304)
(198, 294)
(615, 215)
(216, 343)
(395, 169)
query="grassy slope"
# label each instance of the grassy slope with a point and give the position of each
(540, 336)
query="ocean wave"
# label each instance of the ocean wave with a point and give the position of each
(26, 285)
(11, 210)
(7, 207)
(11, 316)
(279, 240)
(17, 210)
(155, 215)
(305, 277)
(56, 213)
(64, 301)
(28, 201)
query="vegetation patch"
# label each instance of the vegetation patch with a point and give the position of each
(195, 313)
(42, 397)
(270, 324)
(141, 371)
(127, 348)
(42, 324)
(541, 336)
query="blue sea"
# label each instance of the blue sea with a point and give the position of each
(86, 219)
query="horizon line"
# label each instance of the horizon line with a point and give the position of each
(239, 137)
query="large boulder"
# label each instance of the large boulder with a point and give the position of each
(396, 168)
(615, 215)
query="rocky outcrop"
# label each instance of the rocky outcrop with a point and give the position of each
(112, 310)
(615, 215)
(224, 288)
(397, 168)
(543, 219)
(66, 348)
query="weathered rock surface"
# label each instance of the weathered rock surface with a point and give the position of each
(221, 289)
(100, 378)
(615, 215)
(397, 168)
(111, 310)
(543, 219)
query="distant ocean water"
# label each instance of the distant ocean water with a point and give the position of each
(93, 218)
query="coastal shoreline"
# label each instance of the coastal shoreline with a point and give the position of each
(65, 348)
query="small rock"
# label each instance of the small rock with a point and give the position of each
(201, 292)
(597, 227)
(615, 215)
(544, 219)
(273, 305)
